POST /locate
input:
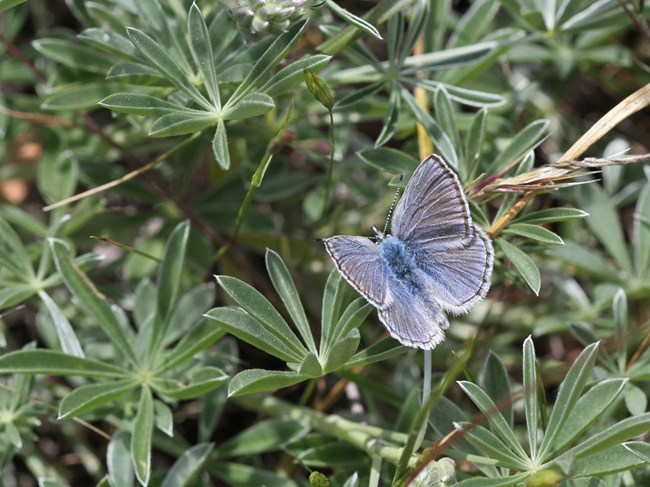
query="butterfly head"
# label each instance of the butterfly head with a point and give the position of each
(380, 235)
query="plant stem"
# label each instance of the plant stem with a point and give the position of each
(256, 182)
(371, 439)
(424, 412)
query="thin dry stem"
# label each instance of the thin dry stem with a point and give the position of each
(635, 102)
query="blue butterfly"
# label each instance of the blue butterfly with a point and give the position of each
(435, 261)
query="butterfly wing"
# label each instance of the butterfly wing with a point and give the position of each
(413, 322)
(358, 259)
(457, 278)
(433, 208)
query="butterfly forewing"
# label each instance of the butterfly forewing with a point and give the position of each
(359, 261)
(433, 207)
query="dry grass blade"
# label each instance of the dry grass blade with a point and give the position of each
(549, 177)
(637, 101)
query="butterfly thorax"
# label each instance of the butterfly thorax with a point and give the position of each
(399, 262)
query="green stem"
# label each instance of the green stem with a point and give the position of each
(256, 181)
(331, 165)
(423, 413)
(371, 439)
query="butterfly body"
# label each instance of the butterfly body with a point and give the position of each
(437, 260)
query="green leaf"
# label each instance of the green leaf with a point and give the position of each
(202, 50)
(604, 221)
(137, 74)
(286, 289)
(169, 274)
(83, 96)
(587, 260)
(494, 482)
(67, 337)
(258, 380)
(50, 362)
(252, 105)
(204, 380)
(495, 418)
(180, 123)
(377, 352)
(136, 104)
(310, 366)
(527, 139)
(163, 418)
(73, 55)
(587, 410)
(141, 437)
(534, 232)
(57, 176)
(111, 42)
(13, 254)
(220, 146)
(261, 309)
(497, 385)
(292, 75)
(351, 318)
(440, 138)
(331, 308)
(617, 433)
(636, 400)
(641, 233)
(474, 142)
(118, 459)
(268, 435)
(273, 55)
(531, 394)
(474, 24)
(247, 476)
(91, 396)
(92, 300)
(342, 350)
(251, 330)
(552, 215)
(392, 116)
(15, 294)
(523, 264)
(160, 60)
(7, 4)
(333, 454)
(352, 19)
(446, 117)
(199, 338)
(615, 459)
(489, 444)
(569, 393)
(188, 467)
(390, 160)
(319, 89)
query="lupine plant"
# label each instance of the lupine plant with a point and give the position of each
(169, 315)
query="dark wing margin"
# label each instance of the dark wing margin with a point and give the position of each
(458, 278)
(434, 207)
(358, 260)
(413, 323)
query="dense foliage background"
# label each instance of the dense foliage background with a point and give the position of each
(150, 145)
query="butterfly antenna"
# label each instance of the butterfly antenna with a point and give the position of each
(392, 205)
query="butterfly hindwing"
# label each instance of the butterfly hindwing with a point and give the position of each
(433, 207)
(413, 322)
(358, 259)
(458, 278)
